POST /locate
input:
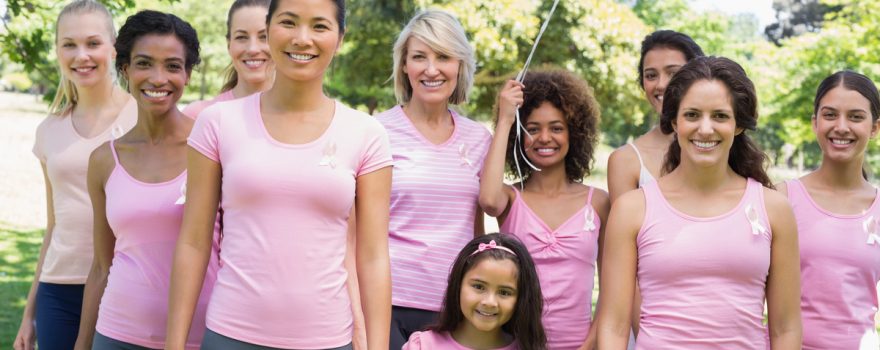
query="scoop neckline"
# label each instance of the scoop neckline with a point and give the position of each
(259, 115)
(686, 216)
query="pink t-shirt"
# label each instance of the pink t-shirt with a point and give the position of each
(193, 109)
(434, 196)
(431, 340)
(66, 156)
(840, 268)
(703, 280)
(566, 262)
(145, 218)
(285, 207)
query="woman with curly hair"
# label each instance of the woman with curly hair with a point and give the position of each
(557, 217)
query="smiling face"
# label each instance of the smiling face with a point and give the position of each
(432, 75)
(248, 46)
(84, 48)
(303, 37)
(843, 125)
(488, 295)
(156, 74)
(705, 124)
(660, 65)
(548, 145)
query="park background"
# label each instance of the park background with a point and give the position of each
(786, 53)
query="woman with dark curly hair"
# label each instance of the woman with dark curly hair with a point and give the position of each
(557, 217)
(136, 185)
(709, 241)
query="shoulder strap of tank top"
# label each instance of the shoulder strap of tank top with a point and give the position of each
(113, 151)
(590, 196)
(796, 189)
(639, 155)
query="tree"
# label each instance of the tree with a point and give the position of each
(797, 17)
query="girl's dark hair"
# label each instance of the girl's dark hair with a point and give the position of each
(148, 22)
(851, 81)
(231, 74)
(746, 159)
(340, 13)
(574, 98)
(525, 324)
(668, 39)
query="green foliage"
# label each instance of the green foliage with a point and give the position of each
(19, 81)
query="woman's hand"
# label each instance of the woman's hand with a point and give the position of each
(509, 100)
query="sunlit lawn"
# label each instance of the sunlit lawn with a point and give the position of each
(18, 258)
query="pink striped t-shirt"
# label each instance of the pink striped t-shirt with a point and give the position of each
(840, 268)
(703, 279)
(193, 109)
(431, 340)
(285, 212)
(434, 195)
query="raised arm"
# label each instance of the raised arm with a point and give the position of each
(100, 166)
(494, 197)
(194, 245)
(372, 203)
(784, 281)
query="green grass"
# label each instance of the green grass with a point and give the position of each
(19, 250)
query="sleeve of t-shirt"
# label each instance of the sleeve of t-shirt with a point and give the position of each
(377, 148)
(204, 135)
(414, 343)
(193, 109)
(486, 140)
(39, 141)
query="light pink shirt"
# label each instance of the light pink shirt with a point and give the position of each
(840, 268)
(566, 262)
(282, 283)
(145, 218)
(66, 156)
(431, 340)
(433, 201)
(193, 109)
(703, 280)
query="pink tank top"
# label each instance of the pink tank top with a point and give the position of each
(703, 280)
(566, 262)
(840, 268)
(145, 218)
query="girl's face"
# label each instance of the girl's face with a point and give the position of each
(488, 295)
(549, 130)
(705, 125)
(433, 76)
(303, 37)
(659, 65)
(843, 124)
(84, 48)
(157, 74)
(247, 45)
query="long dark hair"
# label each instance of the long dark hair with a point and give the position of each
(746, 159)
(231, 74)
(525, 325)
(668, 39)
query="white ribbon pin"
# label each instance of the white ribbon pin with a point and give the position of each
(182, 198)
(870, 227)
(329, 158)
(589, 220)
(116, 131)
(463, 153)
(752, 215)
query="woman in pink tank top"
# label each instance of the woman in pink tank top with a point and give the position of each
(700, 241)
(558, 218)
(837, 218)
(137, 187)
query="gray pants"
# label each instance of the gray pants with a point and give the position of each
(216, 341)
(101, 342)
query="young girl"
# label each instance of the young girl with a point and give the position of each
(88, 110)
(289, 164)
(252, 69)
(136, 185)
(558, 218)
(837, 216)
(493, 301)
(708, 242)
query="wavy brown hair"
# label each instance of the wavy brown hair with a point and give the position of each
(745, 158)
(574, 98)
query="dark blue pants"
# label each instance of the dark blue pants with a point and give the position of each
(406, 321)
(57, 315)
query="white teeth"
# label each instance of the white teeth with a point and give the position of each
(545, 150)
(156, 93)
(660, 98)
(486, 313)
(301, 57)
(433, 83)
(83, 70)
(706, 144)
(841, 141)
(253, 63)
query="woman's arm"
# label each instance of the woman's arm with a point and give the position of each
(602, 204)
(494, 197)
(372, 202)
(618, 276)
(784, 280)
(27, 336)
(194, 245)
(479, 222)
(104, 244)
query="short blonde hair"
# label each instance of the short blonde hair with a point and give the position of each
(443, 33)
